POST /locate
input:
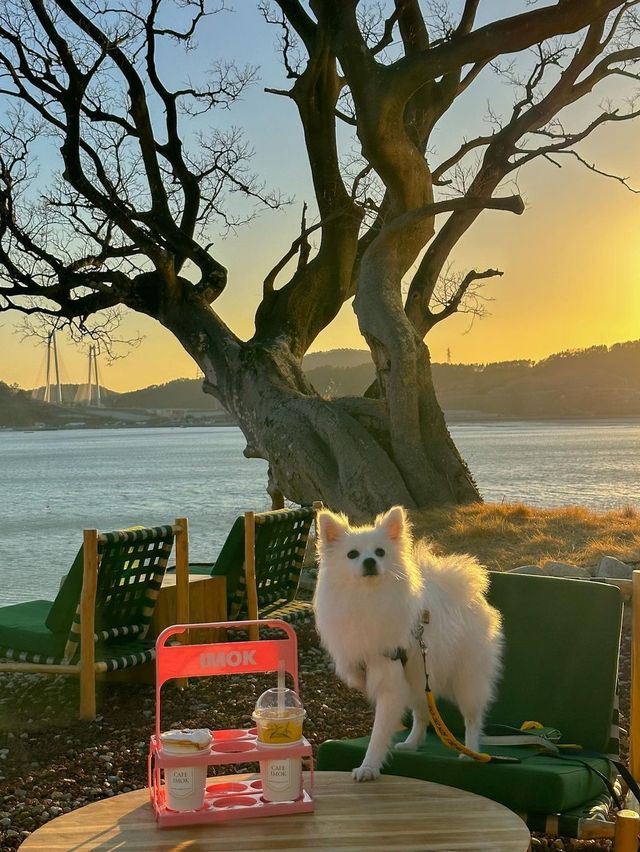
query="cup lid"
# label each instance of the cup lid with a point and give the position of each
(269, 700)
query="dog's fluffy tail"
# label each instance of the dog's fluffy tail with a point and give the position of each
(460, 575)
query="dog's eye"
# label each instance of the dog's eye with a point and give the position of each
(379, 551)
(353, 554)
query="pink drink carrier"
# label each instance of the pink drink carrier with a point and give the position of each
(237, 799)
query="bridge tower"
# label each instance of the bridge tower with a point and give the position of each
(53, 393)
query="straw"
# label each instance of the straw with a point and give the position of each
(281, 688)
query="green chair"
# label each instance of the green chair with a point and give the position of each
(101, 615)
(262, 560)
(560, 669)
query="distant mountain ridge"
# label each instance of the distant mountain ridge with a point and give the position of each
(336, 358)
(600, 381)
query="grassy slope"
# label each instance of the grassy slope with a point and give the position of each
(504, 536)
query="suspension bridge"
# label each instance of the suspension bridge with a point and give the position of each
(52, 386)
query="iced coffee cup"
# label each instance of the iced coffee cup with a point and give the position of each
(279, 716)
(186, 785)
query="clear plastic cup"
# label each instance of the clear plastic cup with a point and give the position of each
(185, 785)
(279, 723)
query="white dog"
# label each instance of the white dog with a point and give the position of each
(373, 587)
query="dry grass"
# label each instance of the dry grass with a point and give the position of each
(504, 536)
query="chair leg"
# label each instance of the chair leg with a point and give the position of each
(87, 626)
(627, 831)
(250, 573)
(87, 693)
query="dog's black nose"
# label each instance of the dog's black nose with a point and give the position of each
(370, 567)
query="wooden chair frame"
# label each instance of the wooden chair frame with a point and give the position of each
(86, 667)
(250, 521)
(627, 822)
(625, 830)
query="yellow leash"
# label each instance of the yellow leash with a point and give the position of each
(444, 734)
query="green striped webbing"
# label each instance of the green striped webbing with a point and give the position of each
(131, 566)
(280, 546)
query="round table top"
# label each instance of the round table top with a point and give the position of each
(391, 813)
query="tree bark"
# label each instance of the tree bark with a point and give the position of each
(97, 95)
(349, 451)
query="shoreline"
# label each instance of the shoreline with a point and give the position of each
(452, 419)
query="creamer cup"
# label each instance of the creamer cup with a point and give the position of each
(280, 724)
(185, 785)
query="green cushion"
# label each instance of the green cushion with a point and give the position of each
(66, 602)
(562, 640)
(64, 606)
(230, 561)
(561, 657)
(560, 669)
(23, 627)
(540, 784)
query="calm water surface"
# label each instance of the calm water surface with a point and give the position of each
(54, 484)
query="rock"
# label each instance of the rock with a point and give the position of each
(528, 569)
(565, 569)
(611, 567)
(5, 822)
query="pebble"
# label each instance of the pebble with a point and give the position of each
(96, 763)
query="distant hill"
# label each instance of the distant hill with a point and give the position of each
(336, 358)
(342, 381)
(597, 382)
(19, 411)
(179, 394)
(69, 392)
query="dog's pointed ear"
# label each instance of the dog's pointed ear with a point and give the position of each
(395, 522)
(331, 527)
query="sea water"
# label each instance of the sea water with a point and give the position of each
(53, 484)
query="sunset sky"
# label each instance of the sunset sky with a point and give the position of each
(571, 262)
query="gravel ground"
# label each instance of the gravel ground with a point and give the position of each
(50, 763)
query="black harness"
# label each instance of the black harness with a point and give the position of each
(401, 653)
(398, 654)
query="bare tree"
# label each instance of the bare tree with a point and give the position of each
(125, 220)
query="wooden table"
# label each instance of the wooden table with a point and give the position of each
(392, 814)
(207, 602)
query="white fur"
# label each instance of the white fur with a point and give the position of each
(361, 619)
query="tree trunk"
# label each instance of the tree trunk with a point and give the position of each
(344, 452)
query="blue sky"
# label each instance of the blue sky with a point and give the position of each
(578, 230)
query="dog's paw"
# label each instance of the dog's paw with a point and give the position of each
(358, 683)
(464, 757)
(405, 745)
(365, 773)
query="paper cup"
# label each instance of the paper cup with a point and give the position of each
(185, 785)
(279, 726)
(281, 778)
